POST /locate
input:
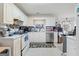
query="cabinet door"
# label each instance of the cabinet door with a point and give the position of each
(17, 50)
(72, 46)
(16, 12)
(1, 12)
(37, 37)
(8, 13)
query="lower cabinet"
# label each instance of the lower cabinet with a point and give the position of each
(72, 46)
(17, 50)
(25, 50)
(13, 43)
(37, 36)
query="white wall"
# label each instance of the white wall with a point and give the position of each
(50, 21)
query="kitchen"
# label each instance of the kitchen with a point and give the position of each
(24, 28)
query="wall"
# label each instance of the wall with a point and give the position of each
(50, 21)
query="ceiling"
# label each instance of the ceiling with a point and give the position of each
(54, 9)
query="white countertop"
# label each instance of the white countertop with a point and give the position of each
(12, 37)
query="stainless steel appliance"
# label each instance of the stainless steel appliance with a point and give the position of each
(49, 37)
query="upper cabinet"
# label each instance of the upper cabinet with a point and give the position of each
(18, 14)
(1, 12)
(9, 11)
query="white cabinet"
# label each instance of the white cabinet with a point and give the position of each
(72, 47)
(73, 41)
(13, 43)
(41, 37)
(9, 11)
(76, 42)
(17, 50)
(37, 36)
(77, 21)
(1, 12)
(18, 14)
(6, 13)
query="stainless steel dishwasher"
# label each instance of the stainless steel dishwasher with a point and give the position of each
(50, 37)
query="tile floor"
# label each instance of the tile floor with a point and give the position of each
(44, 51)
(72, 49)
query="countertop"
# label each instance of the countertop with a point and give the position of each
(13, 37)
